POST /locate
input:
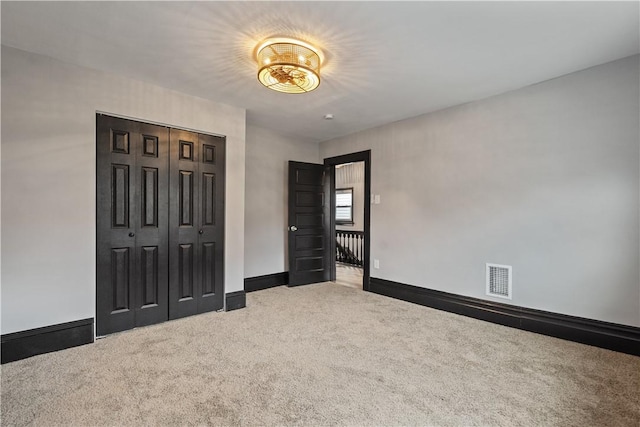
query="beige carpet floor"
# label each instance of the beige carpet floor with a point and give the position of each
(325, 355)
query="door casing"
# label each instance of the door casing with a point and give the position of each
(361, 156)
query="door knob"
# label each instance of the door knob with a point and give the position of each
(132, 234)
(201, 231)
(293, 228)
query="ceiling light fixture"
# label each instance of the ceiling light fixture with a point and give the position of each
(289, 65)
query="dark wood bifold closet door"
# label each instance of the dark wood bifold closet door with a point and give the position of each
(196, 218)
(132, 224)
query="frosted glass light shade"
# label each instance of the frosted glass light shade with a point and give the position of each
(288, 66)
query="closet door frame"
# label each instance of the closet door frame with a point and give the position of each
(140, 256)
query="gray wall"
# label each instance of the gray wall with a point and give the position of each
(545, 178)
(352, 176)
(267, 157)
(48, 180)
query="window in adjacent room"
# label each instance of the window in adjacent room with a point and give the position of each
(344, 206)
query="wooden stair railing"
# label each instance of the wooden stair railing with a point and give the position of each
(350, 247)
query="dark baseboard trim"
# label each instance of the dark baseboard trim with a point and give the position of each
(612, 336)
(23, 344)
(235, 300)
(265, 282)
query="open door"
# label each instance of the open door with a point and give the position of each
(310, 258)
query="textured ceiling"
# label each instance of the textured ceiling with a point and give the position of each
(386, 61)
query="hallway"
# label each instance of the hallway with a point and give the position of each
(349, 275)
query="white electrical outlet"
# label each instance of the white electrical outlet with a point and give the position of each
(376, 199)
(376, 263)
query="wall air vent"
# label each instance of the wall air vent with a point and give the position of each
(499, 280)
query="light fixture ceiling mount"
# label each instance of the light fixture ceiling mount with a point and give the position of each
(289, 65)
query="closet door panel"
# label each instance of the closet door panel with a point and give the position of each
(184, 217)
(152, 224)
(186, 269)
(132, 224)
(211, 174)
(115, 221)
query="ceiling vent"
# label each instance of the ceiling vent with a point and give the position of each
(499, 280)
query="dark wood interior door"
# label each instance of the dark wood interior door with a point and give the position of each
(309, 255)
(196, 218)
(132, 224)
